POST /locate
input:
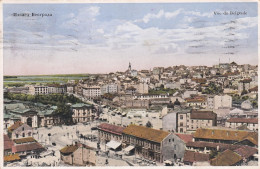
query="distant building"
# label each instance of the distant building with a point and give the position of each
(82, 113)
(142, 88)
(224, 101)
(109, 88)
(38, 90)
(246, 105)
(91, 91)
(191, 121)
(71, 88)
(78, 155)
(56, 88)
(210, 102)
(250, 123)
(196, 102)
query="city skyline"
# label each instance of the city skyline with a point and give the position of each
(133, 68)
(91, 38)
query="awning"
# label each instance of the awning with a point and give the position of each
(113, 144)
(129, 148)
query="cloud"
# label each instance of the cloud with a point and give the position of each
(161, 14)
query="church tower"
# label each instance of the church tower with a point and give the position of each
(129, 67)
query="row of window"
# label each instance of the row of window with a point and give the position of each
(23, 135)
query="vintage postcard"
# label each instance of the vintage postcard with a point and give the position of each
(133, 84)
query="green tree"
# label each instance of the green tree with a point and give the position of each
(65, 112)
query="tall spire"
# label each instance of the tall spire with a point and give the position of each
(129, 67)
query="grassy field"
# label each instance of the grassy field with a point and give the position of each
(10, 81)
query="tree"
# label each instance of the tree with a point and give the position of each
(244, 92)
(65, 112)
(149, 124)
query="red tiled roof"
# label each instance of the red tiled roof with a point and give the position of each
(226, 158)
(199, 80)
(246, 151)
(8, 143)
(200, 99)
(220, 134)
(146, 133)
(222, 146)
(15, 126)
(246, 80)
(254, 89)
(11, 158)
(69, 149)
(208, 115)
(243, 120)
(24, 140)
(26, 147)
(191, 156)
(185, 137)
(111, 128)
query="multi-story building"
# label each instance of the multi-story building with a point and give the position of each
(224, 101)
(190, 121)
(250, 123)
(108, 132)
(210, 102)
(149, 96)
(38, 90)
(56, 88)
(244, 85)
(227, 136)
(82, 113)
(91, 91)
(142, 88)
(19, 130)
(196, 102)
(70, 88)
(149, 143)
(109, 88)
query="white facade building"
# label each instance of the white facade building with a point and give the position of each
(91, 91)
(222, 101)
(109, 88)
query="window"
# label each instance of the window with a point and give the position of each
(23, 129)
(181, 124)
(181, 116)
(169, 140)
(181, 130)
(17, 135)
(23, 135)
(173, 140)
(192, 121)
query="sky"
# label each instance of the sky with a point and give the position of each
(103, 38)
